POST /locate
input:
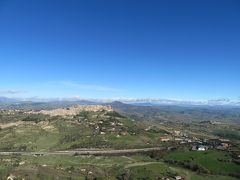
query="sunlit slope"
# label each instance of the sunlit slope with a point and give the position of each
(101, 129)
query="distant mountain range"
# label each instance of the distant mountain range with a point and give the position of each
(151, 110)
(7, 100)
(137, 102)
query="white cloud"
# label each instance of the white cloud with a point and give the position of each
(11, 92)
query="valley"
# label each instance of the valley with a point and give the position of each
(99, 142)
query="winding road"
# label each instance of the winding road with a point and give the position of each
(88, 152)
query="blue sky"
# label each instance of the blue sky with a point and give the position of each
(125, 48)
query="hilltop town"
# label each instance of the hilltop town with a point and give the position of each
(74, 110)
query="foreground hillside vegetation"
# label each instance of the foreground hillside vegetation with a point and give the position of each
(102, 129)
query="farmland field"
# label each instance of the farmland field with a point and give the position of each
(217, 162)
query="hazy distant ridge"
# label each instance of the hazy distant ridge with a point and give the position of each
(140, 102)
